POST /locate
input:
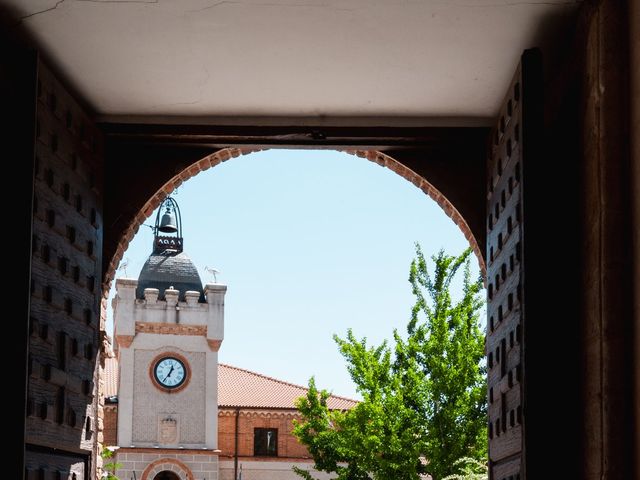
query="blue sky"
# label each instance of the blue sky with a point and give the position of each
(309, 243)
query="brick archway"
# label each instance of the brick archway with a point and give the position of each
(225, 154)
(167, 464)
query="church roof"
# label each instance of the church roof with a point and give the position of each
(110, 377)
(169, 269)
(242, 388)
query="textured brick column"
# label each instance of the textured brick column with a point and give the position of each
(606, 246)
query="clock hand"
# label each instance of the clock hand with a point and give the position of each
(169, 374)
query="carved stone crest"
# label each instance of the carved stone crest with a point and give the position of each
(168, 430)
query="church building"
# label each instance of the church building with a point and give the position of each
(171, 409)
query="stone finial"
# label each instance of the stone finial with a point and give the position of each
(151, 295)
(171, 295)
(126, 288)
(214, 292)
(192, 297)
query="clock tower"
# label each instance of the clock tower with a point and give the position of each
(168, 329)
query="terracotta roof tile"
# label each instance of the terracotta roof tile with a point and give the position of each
(243, 388)
(238, 387)
(110, 377)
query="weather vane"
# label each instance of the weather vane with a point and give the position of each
(123, 266)
(213, 272)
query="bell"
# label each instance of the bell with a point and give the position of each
(168, 223)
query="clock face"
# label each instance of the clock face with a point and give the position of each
(170, 372)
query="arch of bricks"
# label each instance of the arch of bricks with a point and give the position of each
(167, 464)
(228, 153)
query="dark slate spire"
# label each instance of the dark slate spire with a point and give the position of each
(168, 266)
(169, 269)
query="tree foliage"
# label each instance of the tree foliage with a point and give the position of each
(469, 469)
(424, 400)
(109, 468)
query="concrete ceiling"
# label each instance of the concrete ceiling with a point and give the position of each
(443, 62)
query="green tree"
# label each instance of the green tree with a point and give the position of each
(469, 469)
(424, 401)
(109, 468)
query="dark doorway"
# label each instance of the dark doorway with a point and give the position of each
(166, 475)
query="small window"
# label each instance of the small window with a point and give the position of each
(60, 406)
(265, 442)
(44, 331)
(88, 428)
(54, 143)
(47, 293)
(62, 350)
(51, 218)
(91, 283)
(71, 417)
(46, 253)
(503, 360)
(71, 234)
(48, 177)
(88, 317)
(68, 306)
(63, 265)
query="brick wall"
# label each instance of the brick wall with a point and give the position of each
(145, 464)
(64, 323)
(110, 425)
(288, 445)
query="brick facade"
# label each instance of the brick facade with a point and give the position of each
(110, 425)
(145, 464)
(248, 420)
(66, 265)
